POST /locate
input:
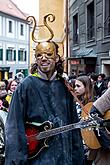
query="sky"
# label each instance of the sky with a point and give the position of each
(28, 6)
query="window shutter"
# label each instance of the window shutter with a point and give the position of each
(18, 55)
(1, 54)
(25, 55)
(14, 55)
(7, 54)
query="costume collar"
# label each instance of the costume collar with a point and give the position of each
(43, 76)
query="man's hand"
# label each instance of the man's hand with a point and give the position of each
(94, 111)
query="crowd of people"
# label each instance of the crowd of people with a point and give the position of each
(7, 87)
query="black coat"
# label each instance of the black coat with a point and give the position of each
(38, 100)
(99, 90)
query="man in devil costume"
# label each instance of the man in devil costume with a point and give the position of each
(43, 96)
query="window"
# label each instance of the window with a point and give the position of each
(90, 21)
(21, 30)
(22, 55)
(75, 29)
(107, 18)
(10, 26)
(11, 54)
(1, 54)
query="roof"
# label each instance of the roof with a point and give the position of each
(8, 7)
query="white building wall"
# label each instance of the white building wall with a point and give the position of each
(4, 26)
(0, 25)
(14, 40)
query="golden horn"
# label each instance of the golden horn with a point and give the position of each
(31, 20)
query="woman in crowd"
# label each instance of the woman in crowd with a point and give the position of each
(11, 88)
(84, 92)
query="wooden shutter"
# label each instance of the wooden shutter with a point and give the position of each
(1, 54)
(14, 55)
(7, 54)
(25, 55)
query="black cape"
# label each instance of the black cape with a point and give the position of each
(38, 100)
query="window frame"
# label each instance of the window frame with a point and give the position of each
(21, 29)
(90, 23)
(10, 54)
(10, 26)
(75, 27)
(106, 19)
(22, 55)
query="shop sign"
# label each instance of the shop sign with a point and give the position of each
(75, 62)
(4, 68)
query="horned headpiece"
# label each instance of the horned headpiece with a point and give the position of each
(43, 43)
(46, 45)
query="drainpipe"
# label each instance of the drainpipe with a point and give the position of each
(66, 36)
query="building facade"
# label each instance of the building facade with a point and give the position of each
(58, 8)
(89, 36)
(14, 40)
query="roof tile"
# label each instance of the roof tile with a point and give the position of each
(8, 7)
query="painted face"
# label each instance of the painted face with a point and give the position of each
(79, 88)
(47, 49)
(13, 86)
(46, 57)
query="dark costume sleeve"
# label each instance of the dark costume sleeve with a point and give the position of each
(78, 151)
(16, 148)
